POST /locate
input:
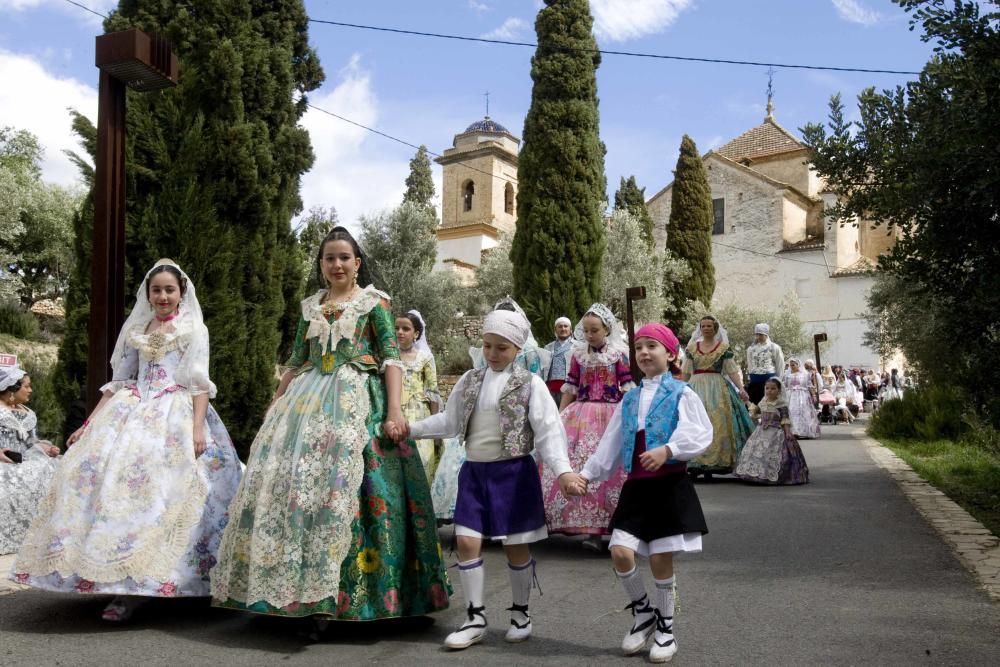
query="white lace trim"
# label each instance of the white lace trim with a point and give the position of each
(343, 327)
(606, 357)
(23, 428)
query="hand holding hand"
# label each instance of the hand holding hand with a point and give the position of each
(652, 459)
(744, 396)
(572, 484)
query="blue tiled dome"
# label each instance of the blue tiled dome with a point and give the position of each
(487, 124)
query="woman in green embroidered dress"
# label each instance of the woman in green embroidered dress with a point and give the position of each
(332, 517)
(713, 375)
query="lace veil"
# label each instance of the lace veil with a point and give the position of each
(192, 372)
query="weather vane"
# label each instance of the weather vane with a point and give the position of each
(487, 96)
(770, 92)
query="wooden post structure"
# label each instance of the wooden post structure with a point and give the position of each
(633, 294)
(817, 339)
(143, 62)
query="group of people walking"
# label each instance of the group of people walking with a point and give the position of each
(335, 513)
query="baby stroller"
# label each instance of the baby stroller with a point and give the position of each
(827, 415)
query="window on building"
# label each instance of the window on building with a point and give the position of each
(508, 199)
(467, 193)
(719, 211)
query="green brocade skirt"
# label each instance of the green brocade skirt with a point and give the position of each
(331, 518)
(731, 424)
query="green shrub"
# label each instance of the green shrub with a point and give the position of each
(931, 413)
(451, 355)
(19, 323)
(981, 434)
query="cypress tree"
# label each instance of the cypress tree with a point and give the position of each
(630, 197)
(559, 242)
(689, 233)
(213, 172)
(420, 181)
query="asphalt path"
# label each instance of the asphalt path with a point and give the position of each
(842, 571)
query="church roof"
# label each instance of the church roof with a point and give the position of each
(487, 125)
(863, 266)
(765, 140)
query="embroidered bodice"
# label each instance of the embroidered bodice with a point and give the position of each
(362, 333)
(773, 416)
(420, 379)
(17, 429)
(800, 381)
(602, 376)
(149, 368)
(718, 358)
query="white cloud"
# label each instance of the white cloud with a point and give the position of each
(33, 99)
(511, 28)
(351, 172)
(101, 6)
(622, 20)
(480, 6)
(854, 12)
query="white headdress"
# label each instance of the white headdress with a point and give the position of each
(696, 335)
(421, 343)
(510, 325)
(9, 376)
(762, 328)
(508, 301)
(192, 372)
(563, 320)
(617, 340)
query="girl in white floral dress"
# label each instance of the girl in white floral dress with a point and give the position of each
(139, 502)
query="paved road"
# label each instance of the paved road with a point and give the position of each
(841, 571)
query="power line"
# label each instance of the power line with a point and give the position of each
(607, 52)
(88, 9)
(404, 142)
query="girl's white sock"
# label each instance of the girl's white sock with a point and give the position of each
(663, 597)
(632, 582)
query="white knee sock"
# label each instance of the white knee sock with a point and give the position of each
(520, 588)
(633, 584)
(663, 598)
(472, 575)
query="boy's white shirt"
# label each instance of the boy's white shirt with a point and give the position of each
(543, 415)
(691, 438)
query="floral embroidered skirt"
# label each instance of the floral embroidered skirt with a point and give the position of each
(771, 457)
(429, 450)
(731, 424)
(802, 412)
(130, 510)
(585, 423)
(331, 518)
(22, 487)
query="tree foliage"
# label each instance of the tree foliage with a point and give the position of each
(923, 158)
(213, 170)
(630, 197)
(495, 275)
(420, 181)
(313, 228)
(559, 242)
(35, 223)
(628, 262)
(402, 246)
(689, 232)
(784, 318)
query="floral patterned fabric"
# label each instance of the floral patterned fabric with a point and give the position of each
(771, 456)
(599, 380)
(420, 391)
(332, 517)
(22, 485)
(801, 408)
(731, 423)
(130, 509)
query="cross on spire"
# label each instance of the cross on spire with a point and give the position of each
(487, 96)
(770, 94)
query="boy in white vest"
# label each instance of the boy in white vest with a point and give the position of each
(504, 412)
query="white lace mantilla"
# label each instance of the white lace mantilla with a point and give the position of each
(23, 426)
(331, 333)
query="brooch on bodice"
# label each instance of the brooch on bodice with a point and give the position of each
(330, 308)
(156, 344)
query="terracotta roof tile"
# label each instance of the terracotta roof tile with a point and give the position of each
(766, 139)
(858, 268)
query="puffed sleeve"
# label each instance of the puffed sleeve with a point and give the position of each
(430, 381)
(300, 350)
(572, 384)
(448, 422)
(729, 366)
(687, 366)
(192, 372)
(623, 371)
(783, 414)
(125, 371)
(384, 329)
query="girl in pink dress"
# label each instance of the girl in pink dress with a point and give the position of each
(598, 378)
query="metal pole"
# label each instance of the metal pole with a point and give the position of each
(637, 294)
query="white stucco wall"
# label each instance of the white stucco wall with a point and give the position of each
(466, 249)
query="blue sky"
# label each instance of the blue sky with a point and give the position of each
(427, 90)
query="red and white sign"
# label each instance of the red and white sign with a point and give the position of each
(8, 360)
